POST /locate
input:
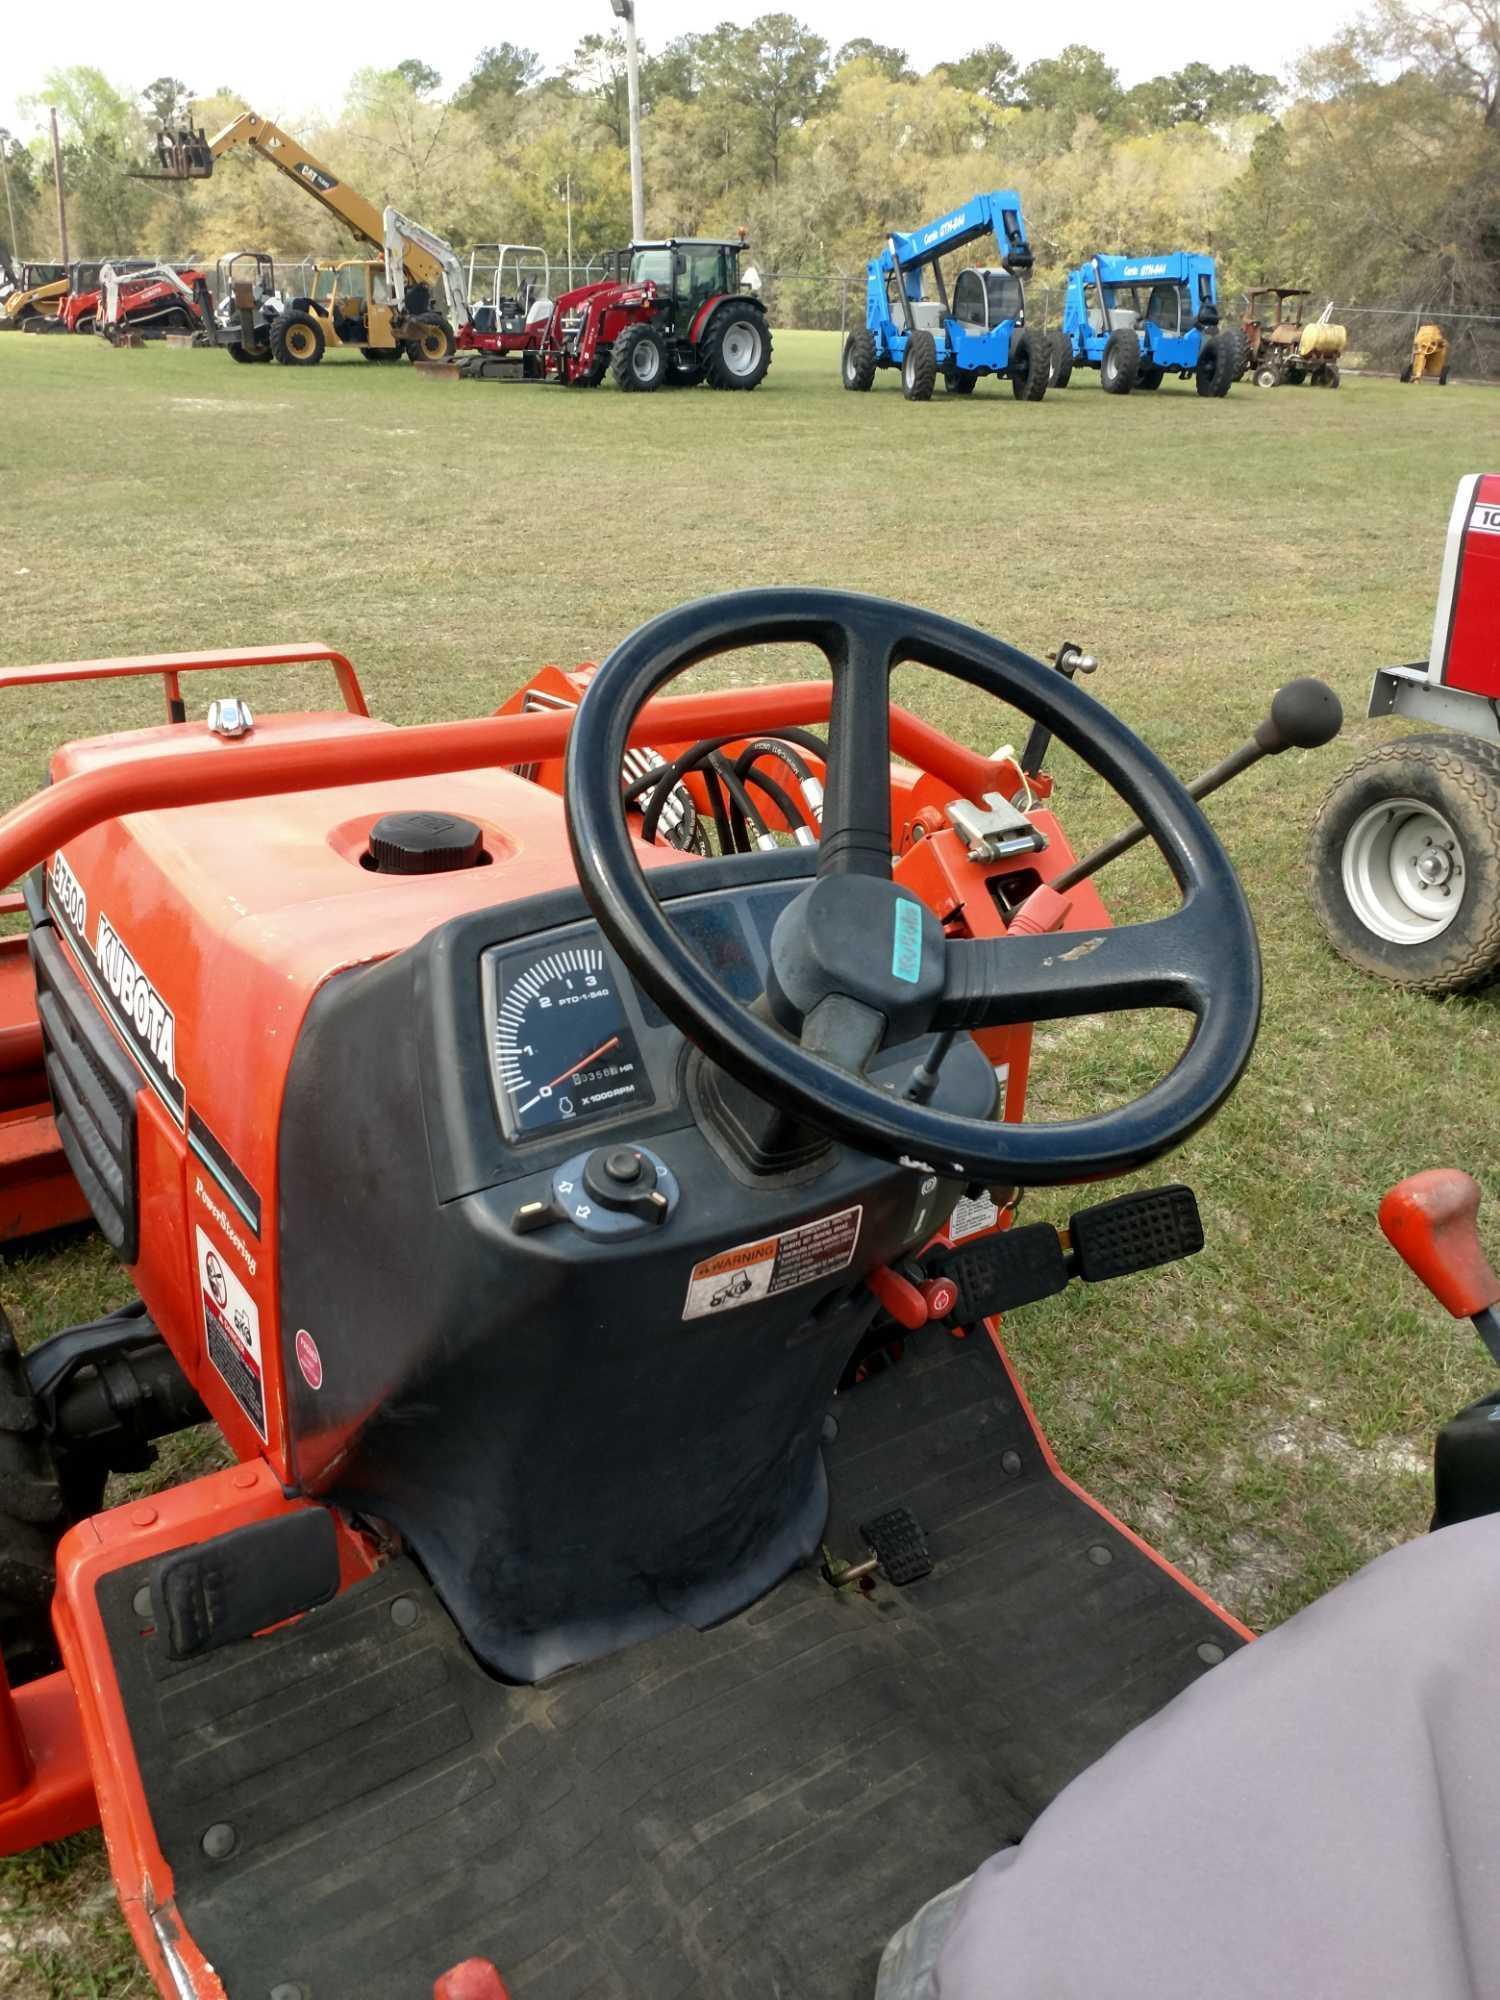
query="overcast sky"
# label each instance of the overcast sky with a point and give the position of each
(297, 64)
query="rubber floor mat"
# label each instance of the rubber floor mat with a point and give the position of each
(742, 1814)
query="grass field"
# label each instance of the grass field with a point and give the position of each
(1263, 1413)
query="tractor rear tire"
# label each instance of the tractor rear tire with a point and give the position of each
(1062, 361)
(1030, 367)
(1404, 863)
(1120, 364)
(297, 341)
(32, 1520)
(919, 369)
(735, 348)
(960, 381)
(857, 364)
(434, 341)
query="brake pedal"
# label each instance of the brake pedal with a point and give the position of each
(1135, 1232)
(1008, 1268)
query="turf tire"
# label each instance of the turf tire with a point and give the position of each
(1030, 367)
(857, 362)
(919, 368)
(1459, 777)
(1120, 363)
(32, 1519)
(297, 341)
(1062, 361)
(1267, 378)
(735, 348)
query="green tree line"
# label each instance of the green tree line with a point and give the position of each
(1371, 172)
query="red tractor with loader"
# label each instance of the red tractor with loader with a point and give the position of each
(672, 314)
(573, 1158)
(1404, 858)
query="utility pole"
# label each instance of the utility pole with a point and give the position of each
(15, 248)
(625, 9)
(568, 197)
(62, 214)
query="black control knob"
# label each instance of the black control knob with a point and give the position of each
(620, 1178)
(423, 843)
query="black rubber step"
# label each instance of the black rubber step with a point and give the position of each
(350, 1806)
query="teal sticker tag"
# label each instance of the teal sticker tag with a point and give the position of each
(906, 942)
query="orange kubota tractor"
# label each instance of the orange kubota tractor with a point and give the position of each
(639, 1571)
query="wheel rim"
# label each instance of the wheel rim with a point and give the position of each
(299, 342)
(645, 362)
(1403, 871)
(741, 347)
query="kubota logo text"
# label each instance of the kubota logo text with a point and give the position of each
(143, 1007)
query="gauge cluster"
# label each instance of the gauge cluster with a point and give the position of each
(564, 1049)
(571, 1040)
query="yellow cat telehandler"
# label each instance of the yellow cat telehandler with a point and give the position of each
(384, 306)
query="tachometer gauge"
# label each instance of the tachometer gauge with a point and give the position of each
(564, 1049)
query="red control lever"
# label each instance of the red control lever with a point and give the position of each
(1430, 1220)
(912, 1305)
(475, 1979)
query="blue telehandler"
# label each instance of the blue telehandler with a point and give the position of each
(981, 330)
(1138, 319)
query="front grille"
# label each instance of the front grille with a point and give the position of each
(93, 1085)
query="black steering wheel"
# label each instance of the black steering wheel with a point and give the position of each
(858, 963)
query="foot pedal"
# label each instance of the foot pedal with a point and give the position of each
(900, 1546)
(1135, 1232)
(1011, 1267)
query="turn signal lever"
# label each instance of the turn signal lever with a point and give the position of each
(1431, 1221)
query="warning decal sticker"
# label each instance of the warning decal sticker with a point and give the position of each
(774, 1264)
(971, 1215)
(231, 1332)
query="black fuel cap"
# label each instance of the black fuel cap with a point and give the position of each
(424, 843)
